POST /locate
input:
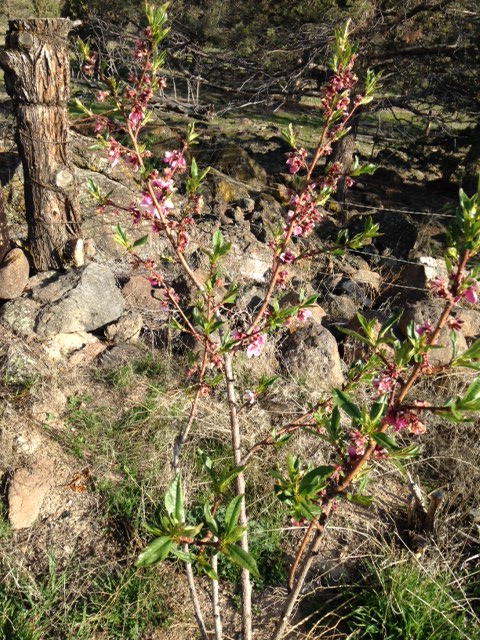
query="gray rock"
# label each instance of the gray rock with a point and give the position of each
(20, 316)
(339, 309)
(27, 491)
(14, 272)
(311, 355)
(19, 366)
(80, 300)
(120, 355)
(126, 329)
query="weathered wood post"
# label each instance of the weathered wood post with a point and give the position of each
(37, 78)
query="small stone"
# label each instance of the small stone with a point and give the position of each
(27, 491)
(126, 329)
(311, 355)
(64, 344)
(14, 272)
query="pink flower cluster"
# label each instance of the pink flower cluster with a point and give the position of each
(255, 342)
(358, 443)
(296, 160)
(387, 381)
(404, 420)
(335, 94)
(442, 290)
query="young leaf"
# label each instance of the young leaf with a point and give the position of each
(343, 402)
(232, 514)
(156, 551)
(174, 500)
(240, 557)
(210, 520)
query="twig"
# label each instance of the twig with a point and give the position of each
(240, 490)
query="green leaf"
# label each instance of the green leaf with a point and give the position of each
(181, 555)
(210, 520)
(473, 392)
(360, 498)
(354, 334)
(385, 441)
(227, 478)
(191, 531)
(232, 513)
(241, 558)
(140, 242)
(388, 324)
(343, 402)
(156, 551)
(174, 500)
(120, 237)
(316, 478)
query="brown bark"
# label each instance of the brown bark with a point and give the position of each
(37, 78)
(4, 238)
(343, 153)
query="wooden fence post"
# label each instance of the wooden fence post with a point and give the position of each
(37, 78)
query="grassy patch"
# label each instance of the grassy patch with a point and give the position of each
(412, 603)
(122, 603)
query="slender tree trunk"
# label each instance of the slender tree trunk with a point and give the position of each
(343, 153)
(4, 238)
(37, 78)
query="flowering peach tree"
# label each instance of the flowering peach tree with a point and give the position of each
(355, 434)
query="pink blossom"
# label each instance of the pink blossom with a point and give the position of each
(296, 160)
(455, 324)
(303, 315)
(357, 445)
(470, 294)
(136, 117)
(175, 160)
(237, 335)
(282, 279)
(426, 327)
(101, 95)
(287, 257)
(249, 397)
(114, 152)
(255, 345)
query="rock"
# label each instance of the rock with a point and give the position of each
(471, 321)
(427, 268)
(120, 355)
(311, 354)
(363, 287)
(20, 316)
(64, 344)
(428, 311)
(14, 272)
(19, 367)
(80, 300)
(139, 298)
(27, 491)
(87, 354)
(339, 309)
(126, 329)
(236, 163)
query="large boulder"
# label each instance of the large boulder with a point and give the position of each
(311, 356)
(80, 300)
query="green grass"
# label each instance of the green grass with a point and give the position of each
(122, 603)
(409, 602)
